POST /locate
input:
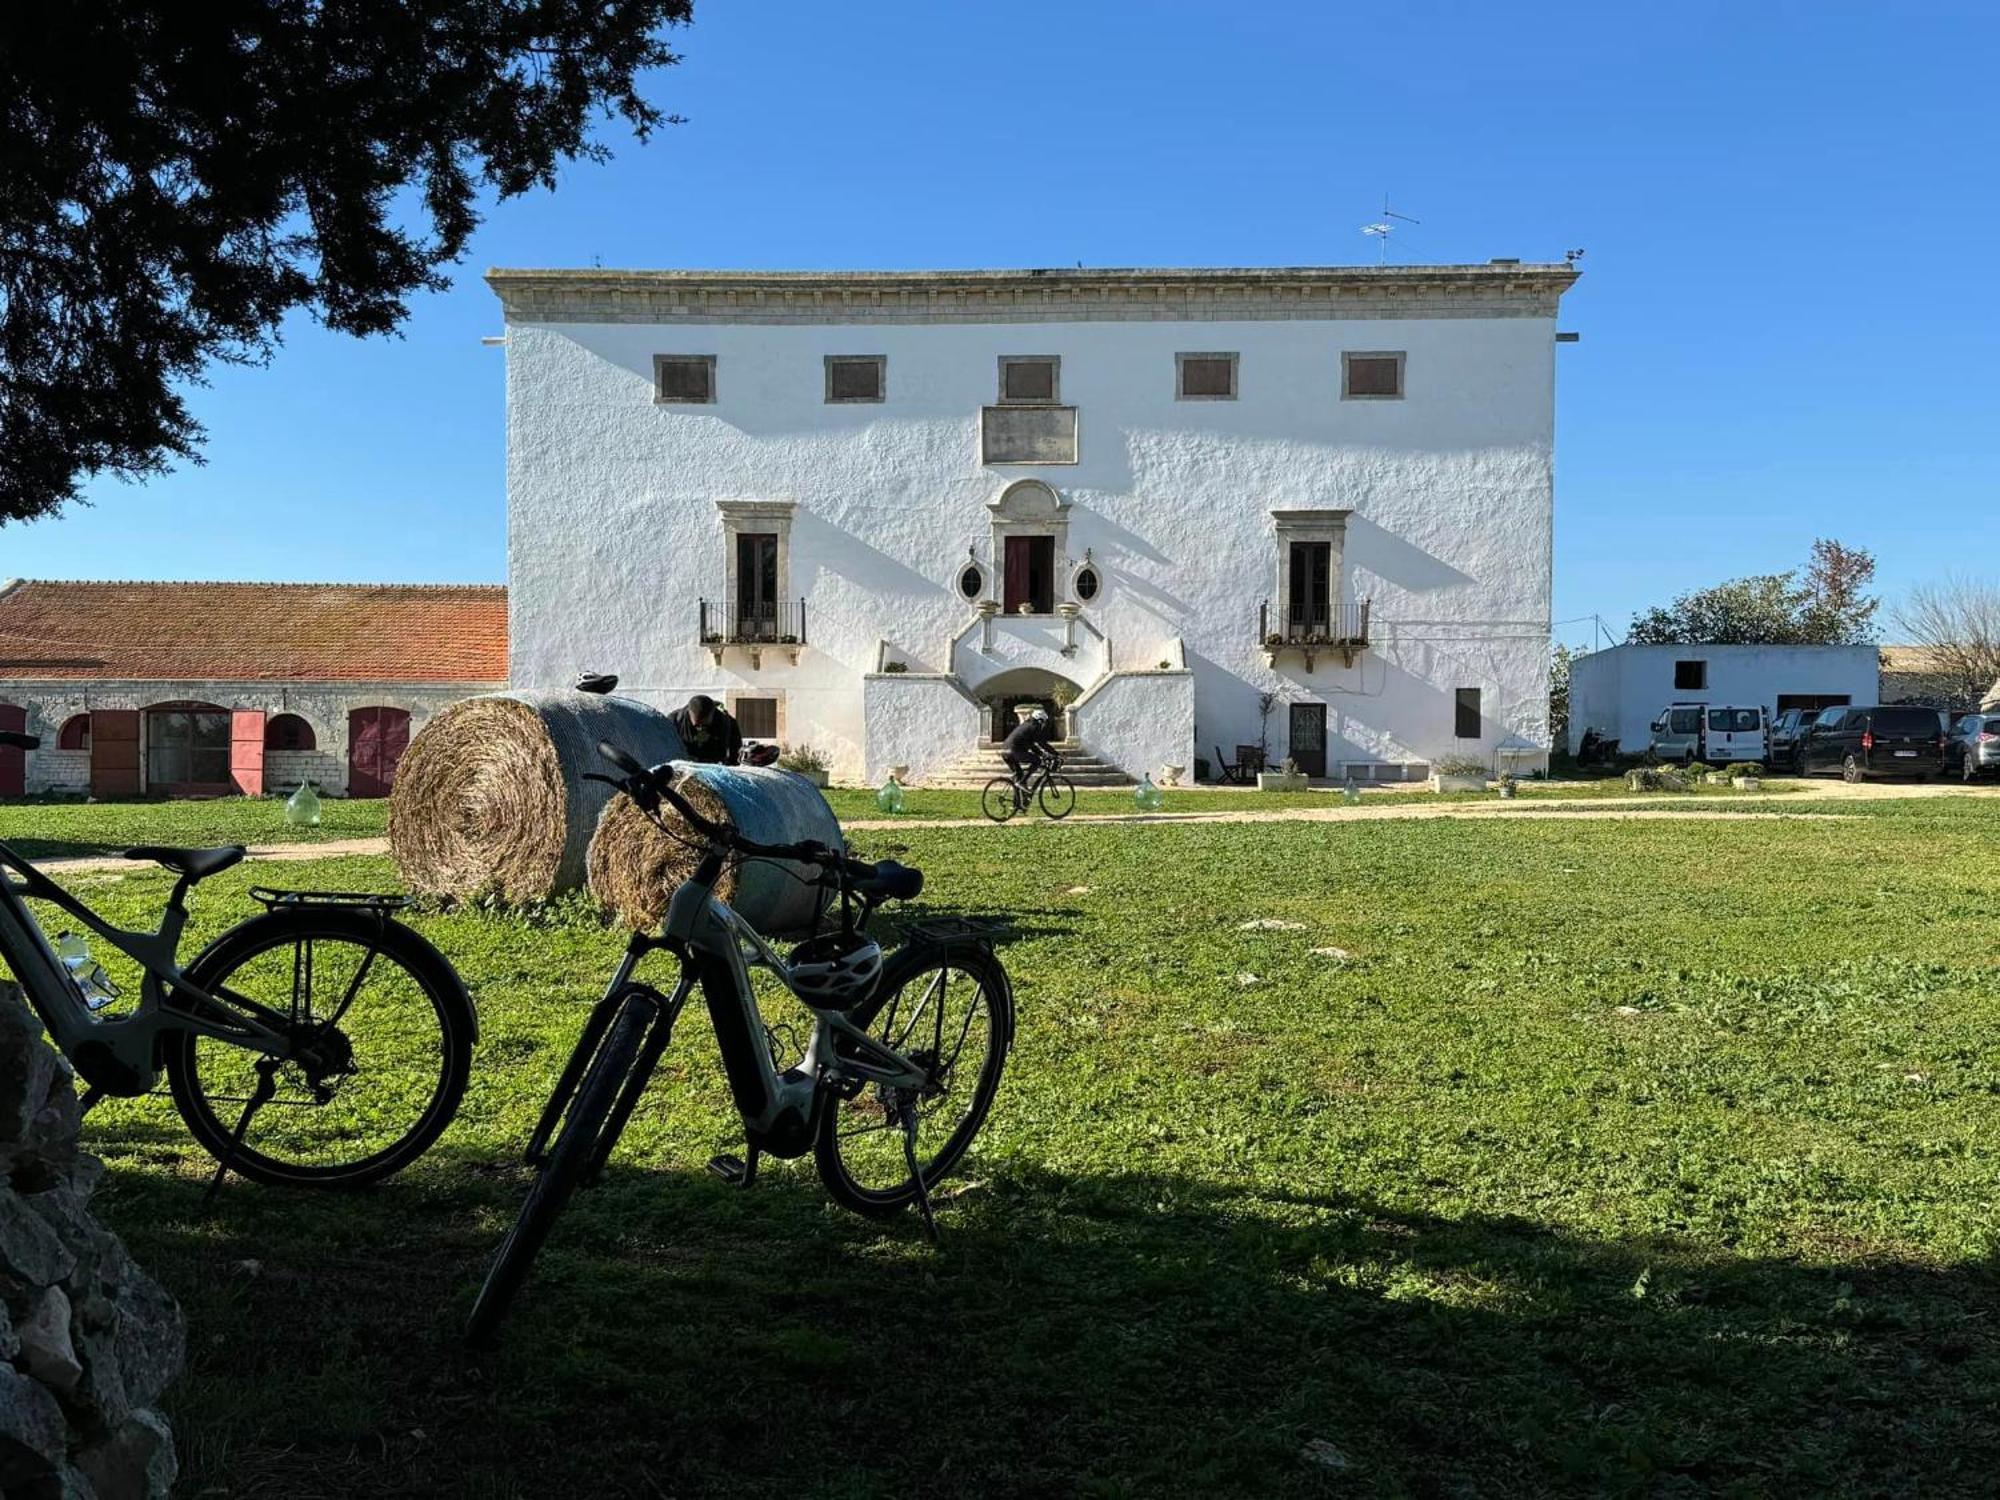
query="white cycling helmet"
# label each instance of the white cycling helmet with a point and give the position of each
(836, 971)
(1039, 715)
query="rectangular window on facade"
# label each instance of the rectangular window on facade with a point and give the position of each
(1690, 676)
(1030, 377)
(1205, 377)
(857, 377)
(1371, 376)
(1467, 727)
(687, 378)
(757, 718)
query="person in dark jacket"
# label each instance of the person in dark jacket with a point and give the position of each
(709, 733)
(1031, 743)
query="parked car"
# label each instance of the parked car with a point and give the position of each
(1856, 743)
(1788, 737)
(1973, 746)
(1713, 734)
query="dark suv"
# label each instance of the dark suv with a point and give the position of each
(1862, 742)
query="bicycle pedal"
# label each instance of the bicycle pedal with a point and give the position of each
(730, 1169)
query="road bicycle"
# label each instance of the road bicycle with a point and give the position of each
(338, 1039)
(1007, 795)
(904, 1058)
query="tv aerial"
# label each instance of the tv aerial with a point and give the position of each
(1386, 226)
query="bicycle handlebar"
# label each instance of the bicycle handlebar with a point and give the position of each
(649, 788)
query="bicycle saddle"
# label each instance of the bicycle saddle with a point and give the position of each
(195, 864)
(891, 882)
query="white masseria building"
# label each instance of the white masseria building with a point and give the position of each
(878, 512)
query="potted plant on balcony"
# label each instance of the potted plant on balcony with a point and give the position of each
(1458, 773)
(805, 761)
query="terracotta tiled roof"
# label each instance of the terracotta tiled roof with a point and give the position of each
(235, 632)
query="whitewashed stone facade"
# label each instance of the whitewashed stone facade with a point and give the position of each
(1435, 504)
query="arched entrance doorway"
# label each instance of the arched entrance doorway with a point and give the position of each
(1006, 695)
(376, 740)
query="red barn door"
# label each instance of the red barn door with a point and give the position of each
(376, 740)
(246, 751)
(114, 752)
(13, 761)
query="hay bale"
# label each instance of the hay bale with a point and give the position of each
(490, 796)
(634, 867)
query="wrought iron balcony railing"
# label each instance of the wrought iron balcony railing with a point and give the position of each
(1311, 628)
(753, 623)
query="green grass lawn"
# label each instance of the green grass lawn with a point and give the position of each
(1614, 1158)
(47, 829)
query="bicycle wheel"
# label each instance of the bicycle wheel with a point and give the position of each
(952, 1011)
(997, 801)
(383, 1031)
(1058, 797)
(575, 1148)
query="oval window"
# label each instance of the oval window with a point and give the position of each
(1086, 584)
(970, 583)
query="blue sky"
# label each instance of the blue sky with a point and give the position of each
(1789, 213)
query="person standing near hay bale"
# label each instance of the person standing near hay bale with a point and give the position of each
(710, 733)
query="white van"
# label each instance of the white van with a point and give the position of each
(1714, 734)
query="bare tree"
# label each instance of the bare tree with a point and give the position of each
(1957, 623)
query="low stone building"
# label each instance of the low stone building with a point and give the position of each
(215, 689)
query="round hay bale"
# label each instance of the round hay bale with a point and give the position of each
(490, 796)
(634, 867)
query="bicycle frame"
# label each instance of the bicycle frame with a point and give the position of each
(119, 1055)
(718, 949)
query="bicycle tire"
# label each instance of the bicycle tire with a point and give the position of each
(404, 950)
(574, 1149)
(997, 801)
(907, 965)
(1058, 792)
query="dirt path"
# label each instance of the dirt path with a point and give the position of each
(331, 849)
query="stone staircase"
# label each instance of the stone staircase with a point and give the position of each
(980, 767)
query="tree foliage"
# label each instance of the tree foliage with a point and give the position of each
(1957, 623)
(177, 175)
(1825, 604)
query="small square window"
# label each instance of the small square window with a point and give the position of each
(1467, 726)
(1030, 378)
(857, 377)
(1690, 676)
(1205, 377)
(687, 378)
(756, 718)
(1371, 377)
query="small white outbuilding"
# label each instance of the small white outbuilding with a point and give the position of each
(1621, 690)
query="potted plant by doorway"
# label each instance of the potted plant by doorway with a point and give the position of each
(805, 761)
(1064, 694)
(1458, 773)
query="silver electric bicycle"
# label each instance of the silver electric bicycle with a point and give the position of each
(321, 1044)
(905, 1054)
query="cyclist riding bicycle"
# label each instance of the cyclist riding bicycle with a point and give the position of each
(1030, 746)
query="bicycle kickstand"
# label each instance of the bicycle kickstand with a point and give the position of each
(916, 1176)
(267, 1086)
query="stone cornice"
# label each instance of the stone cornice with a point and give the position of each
(1501, 290)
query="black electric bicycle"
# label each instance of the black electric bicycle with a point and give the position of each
(321, 1044)
(887, 1096)
(1007, 795)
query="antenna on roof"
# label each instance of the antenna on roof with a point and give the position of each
(1382, 230)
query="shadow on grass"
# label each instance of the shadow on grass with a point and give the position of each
(1110, 1335)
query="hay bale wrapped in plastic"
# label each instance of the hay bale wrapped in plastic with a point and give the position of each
(490, 796)
(634, 867)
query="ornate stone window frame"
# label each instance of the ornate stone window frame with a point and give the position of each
(1347, 358)
(1030, 507)
(881, 363)
(1181, 392)
(732, 696)
(774, 516)
(660, 398)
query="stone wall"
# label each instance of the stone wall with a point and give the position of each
(88, 1341)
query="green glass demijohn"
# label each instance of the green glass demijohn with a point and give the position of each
(890, 797)
(302, 807)
(1147, 797)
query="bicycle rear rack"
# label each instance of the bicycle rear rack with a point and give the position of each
(377, 901)
(947, 931)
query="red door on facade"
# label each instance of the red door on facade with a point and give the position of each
(13, 760)
(1029, 574)
(114, 752)
(376, 740)
(246, 751)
